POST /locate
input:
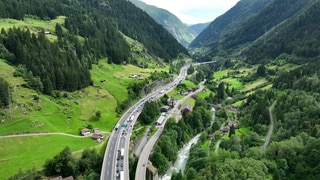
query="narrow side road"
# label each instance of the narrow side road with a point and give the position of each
(43, 134)
(217, 146)
(271, 126)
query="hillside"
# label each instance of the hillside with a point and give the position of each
(169, 21)
(65, 66)
(198, 28)
(297, 37)
(227, 22)
(275, 29)
(272, 15)
(89, 31)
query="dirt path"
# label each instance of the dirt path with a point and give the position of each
(217, 146)
(271, 126)
(42, 134)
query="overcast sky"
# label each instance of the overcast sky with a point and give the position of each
(194, 11)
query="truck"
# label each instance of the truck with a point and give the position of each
(131, 118)
(121, 175)
(122, 153)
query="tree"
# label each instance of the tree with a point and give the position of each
(63, 164)
(98, 114)
(159, 161)
(232, 131)
(261, 71)
(191, 174)
(89, 162)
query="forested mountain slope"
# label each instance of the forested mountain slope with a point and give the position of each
(169, 21)
(298, 37)
(270, 16)
(228, 22)
(91, 30)
(198, 28)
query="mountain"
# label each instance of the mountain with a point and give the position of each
(298, 37)
(198, 28)
(89, 30)
(269, 17)
(178, 29)
(278, 27)
(224, 24)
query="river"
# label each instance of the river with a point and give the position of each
(183, 154)
(181, 162)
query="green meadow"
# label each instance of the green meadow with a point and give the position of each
(67, 113)
(32, 151)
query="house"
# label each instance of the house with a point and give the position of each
(186, 109)
(225, 129)
(232, 123)
(135, 76)
(160, 120)
(210, 136)
(165, 108)
(96, 131)
(60, 178)
(47, 32)
(95, 136)
(172, 101)
(85, 132)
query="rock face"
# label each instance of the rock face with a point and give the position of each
(184, 34)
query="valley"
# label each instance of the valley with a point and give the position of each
(83, 82)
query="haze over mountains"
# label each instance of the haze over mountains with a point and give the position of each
(183, 33)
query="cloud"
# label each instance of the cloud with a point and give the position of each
(194, 11)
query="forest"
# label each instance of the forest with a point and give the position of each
(296, 37)
(56, 65)
(4, 96)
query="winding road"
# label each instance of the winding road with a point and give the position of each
(144, 156)
(271, 126)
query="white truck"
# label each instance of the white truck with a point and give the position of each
(122, 153)
(121, 175)
(131, 118)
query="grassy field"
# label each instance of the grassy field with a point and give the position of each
(175, 93)
(220, 74)
(117, 77)
(32, 151)
(189, 101)
(203, 95)
(235, 83)
(77, 109)
(68, 114)
(254, 84)
(33, 25)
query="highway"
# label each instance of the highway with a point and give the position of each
(114, 164)
(144, 156)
